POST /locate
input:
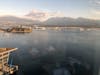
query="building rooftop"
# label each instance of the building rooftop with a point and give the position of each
(7, 49)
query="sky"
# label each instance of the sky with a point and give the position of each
(51, 8)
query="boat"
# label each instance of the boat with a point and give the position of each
(19, 29)
(5, 67)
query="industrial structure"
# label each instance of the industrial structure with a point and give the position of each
(5, 68)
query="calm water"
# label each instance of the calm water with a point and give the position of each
(41, 49)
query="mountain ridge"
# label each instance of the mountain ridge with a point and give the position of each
(60, 21)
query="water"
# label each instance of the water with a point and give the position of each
(39, 51)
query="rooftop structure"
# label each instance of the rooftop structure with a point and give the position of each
(4, 58)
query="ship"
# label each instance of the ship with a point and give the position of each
(20, 29)
(5, 67)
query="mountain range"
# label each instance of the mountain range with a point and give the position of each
(59, 21)
(17, 20)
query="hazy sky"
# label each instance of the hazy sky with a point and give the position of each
(69, 8)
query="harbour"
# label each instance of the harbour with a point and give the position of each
(51, 37)
(36, 48)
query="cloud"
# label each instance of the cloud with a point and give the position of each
(95, 9)
(97, 2)
(95, 12)
(42, 15)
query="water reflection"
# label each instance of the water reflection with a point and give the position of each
(40, 51)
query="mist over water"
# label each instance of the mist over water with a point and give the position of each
(46, 48)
